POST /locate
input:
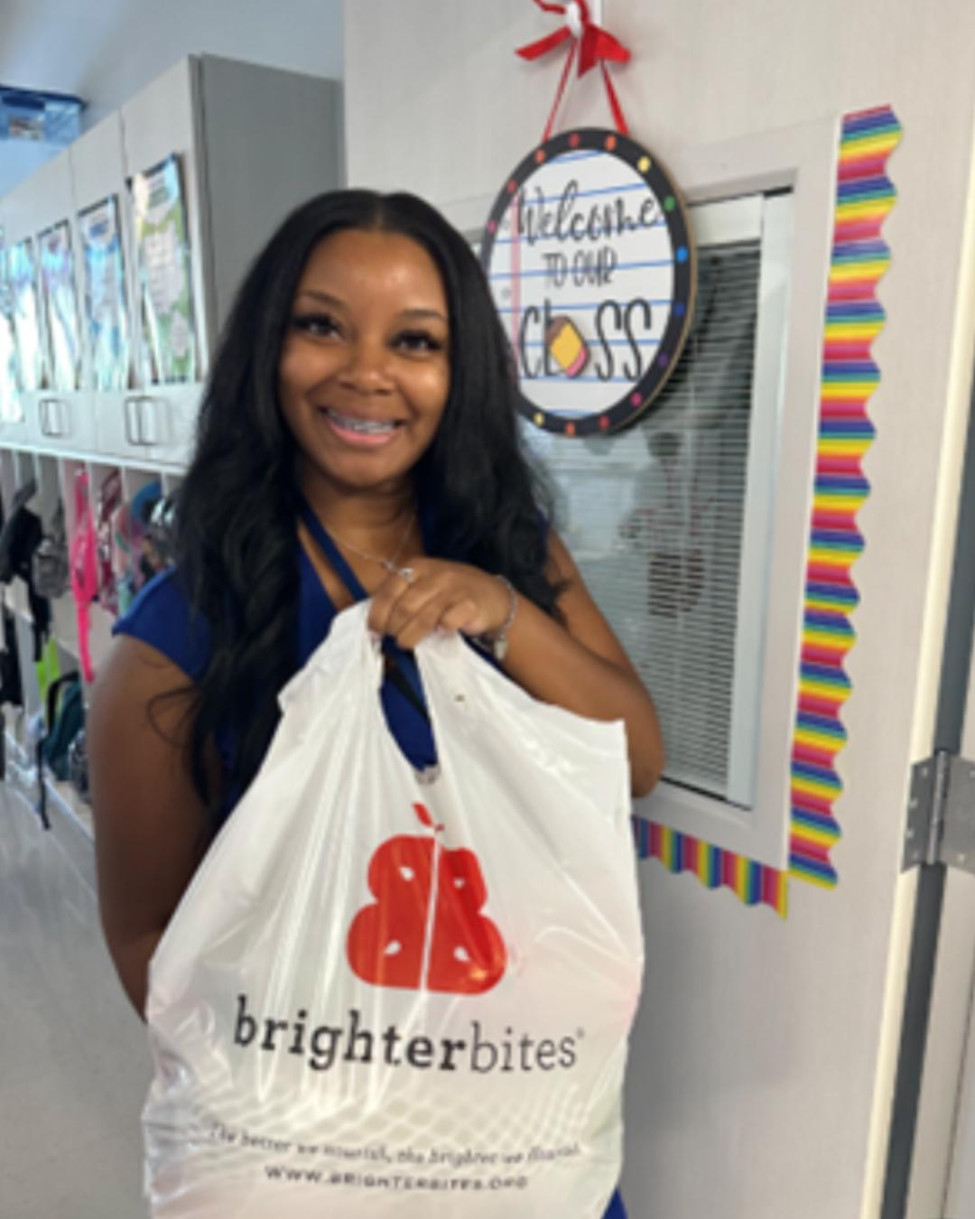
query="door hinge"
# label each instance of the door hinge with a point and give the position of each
(941, 813)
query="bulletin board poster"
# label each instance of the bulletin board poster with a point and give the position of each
(105, 300)
(11, 407)
(25, 317)
(166, 285)
(590, 259)
(60, 305)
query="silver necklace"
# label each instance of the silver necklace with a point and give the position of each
(391, 565)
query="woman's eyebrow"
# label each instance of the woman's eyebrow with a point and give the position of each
(325, 297)
(424, 313)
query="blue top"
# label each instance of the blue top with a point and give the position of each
(162, 617)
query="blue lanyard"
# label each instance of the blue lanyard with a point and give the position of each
(403, 671)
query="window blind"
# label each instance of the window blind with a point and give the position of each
(654, 518)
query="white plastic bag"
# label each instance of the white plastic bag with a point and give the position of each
(387, 994)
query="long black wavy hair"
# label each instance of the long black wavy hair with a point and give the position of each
(236, 520)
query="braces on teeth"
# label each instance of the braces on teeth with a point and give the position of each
(362, 425)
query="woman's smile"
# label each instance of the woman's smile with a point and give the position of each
(362, 432)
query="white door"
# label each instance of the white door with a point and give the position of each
(935, 1110)
(960, 1182)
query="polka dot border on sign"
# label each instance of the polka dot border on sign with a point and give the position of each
(636, 398)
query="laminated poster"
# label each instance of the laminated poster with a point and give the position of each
(108, 332)
(11, 410)
(164, 274)
(60, 307)
(22, 279)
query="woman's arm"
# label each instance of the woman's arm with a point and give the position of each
(150, 823)
(583, 668)
(579, 666)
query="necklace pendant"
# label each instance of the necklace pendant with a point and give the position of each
(389, 565)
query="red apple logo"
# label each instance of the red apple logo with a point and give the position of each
(393, 941)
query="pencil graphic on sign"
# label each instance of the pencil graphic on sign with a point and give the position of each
(567, 346)
(515, 274)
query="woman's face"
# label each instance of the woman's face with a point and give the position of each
(365, 366)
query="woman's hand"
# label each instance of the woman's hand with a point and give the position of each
(576, 663)
(439, 596)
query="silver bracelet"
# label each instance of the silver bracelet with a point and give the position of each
(497, 642)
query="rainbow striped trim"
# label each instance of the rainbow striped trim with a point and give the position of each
(854, 318)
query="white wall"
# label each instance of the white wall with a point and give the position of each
(105, 51)
(761, 1062)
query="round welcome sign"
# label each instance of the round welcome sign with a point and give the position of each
(591, 263)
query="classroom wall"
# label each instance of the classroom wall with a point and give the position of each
(763, 1057)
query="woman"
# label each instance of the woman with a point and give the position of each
(358, 439)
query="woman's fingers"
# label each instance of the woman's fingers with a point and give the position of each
(385, 599)
(444, 596)
(420, 625)
(409, 611)
(416, 614)
(463, 616)
(419, 603)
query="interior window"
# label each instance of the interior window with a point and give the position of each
(670, 519)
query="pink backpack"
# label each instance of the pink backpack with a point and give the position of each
(84, 569)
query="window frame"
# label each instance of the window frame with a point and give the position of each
(775, 233)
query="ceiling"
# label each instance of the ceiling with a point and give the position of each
(106, 50)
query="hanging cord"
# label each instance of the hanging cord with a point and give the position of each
(591, 45)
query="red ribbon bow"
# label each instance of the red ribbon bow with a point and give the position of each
(594, 46)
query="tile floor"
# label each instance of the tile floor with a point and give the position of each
(74, 1065)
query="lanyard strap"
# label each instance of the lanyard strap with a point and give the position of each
(331, 552)
(402, 670)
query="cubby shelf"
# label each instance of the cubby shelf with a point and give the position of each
(22, 773)
(251, 143)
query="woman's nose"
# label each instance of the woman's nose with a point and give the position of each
(367, 367)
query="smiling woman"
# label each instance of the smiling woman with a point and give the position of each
(358, 440)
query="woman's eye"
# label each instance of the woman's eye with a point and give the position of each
(418, 340)
(320, 325)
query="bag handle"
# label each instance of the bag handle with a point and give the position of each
(350, 645)
(53, 691)
(84, 573)
(109, 495)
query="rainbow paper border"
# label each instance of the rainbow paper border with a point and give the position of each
(854, 318)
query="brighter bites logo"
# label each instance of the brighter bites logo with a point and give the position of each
(425, 930)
